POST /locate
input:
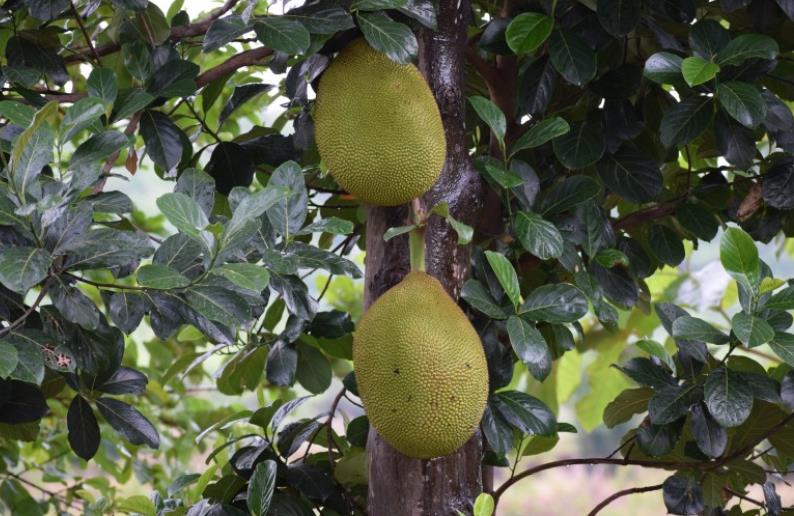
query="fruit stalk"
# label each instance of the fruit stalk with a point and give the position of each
(416, 238)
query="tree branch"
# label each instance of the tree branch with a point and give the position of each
(625, 492)
(85, 33)
(658, 464)
(21, 319)
(247, 58)
(177, 33)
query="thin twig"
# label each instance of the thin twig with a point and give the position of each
(85, 34)
(21, 319)
(625, 492)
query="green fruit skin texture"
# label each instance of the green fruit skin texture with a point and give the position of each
(420, 369)
(378, 128)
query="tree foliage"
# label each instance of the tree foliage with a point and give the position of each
(613, 137)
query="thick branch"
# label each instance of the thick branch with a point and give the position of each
(247, 58)
(619, 494)
(640, 217)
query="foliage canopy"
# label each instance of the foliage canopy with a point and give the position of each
(612, 135)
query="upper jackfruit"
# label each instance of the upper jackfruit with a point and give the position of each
(420, 369)
(378, 127)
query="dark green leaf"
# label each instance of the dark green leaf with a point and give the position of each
(98, 147)
(163, 139)
(743, 102)
(125, 380)
(524, 412)
(161, 277)
(663, 68)
(671, 403)
(540, 133)
(631, 174)
(506, 274)
(23, 267)
(728, 397)
(569, 193)
(102, 85)
(261, 488)
(491, 115)
(80, 115)
(137, 59)
(230, 165)
(747, 46)
(126, 310)
(666, 245)
(710, 437)
(282, 361)
(223, 30)
(478, 297)
(314, 370)
(83, 428)
(289, 213)
(698, 221)
(686, 120)
(583, 145)
(539, 237)
(175, 78)
(682, 495)
(127, 421)
(423, 11)
(219, 304)
(645, 372)
(778, 185)
(707, 37)
(626, 405)
(394, 39)
(752, 331)
(22, 402)
(530, 347)
(571, 56)
(692, 328)
(558, 303)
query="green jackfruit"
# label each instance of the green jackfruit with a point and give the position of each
(377, 127)
(420, 369)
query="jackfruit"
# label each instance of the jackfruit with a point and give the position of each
(377, 126)
(420, 369)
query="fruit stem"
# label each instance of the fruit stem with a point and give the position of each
(416, 238)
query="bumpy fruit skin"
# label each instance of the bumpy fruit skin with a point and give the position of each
(420, 369)
(377, 127)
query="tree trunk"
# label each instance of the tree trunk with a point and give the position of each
(399, 485)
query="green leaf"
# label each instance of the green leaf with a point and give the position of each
(743, 101)
(21, 268)
(394, 39)
(697, 70)
(540, 133)
(183, 212)
(626, 405)
(655, 349)
(692, 328)
(530, 347)
(397, 231)
(464, 231)
(8, 358)
(98, 147)
(670, 403)
(663, 68)
(245, 275)
(631, 174)
(729, 398)
(138, 504)
(102, 85)
(539, 237)
(223, 30)
(525, 412)
(783, 346)
(138, 60)
(483, 505)
(618, 17)
(557, 303)
(261, 487)
(161, 277)
(253, 206)
(752, 331)
(739, 256)
(686, 120)
(283, 34)
(331, 225)
(491, 115)
(666, 245)
(783, 300)
(506, 275)
(528, 31)
(698, 221)
(79, 116)
(478, 297)
(747, 46)
(571, 56)
(569, 193)
(582, 146)
(504, 178)
(127, 421)
(32, 151)
(376, 5)
(163, 139)
(17, 112)
(219, 304)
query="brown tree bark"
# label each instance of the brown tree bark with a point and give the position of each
(399, 485)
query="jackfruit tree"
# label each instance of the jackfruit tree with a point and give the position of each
(396, 257)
